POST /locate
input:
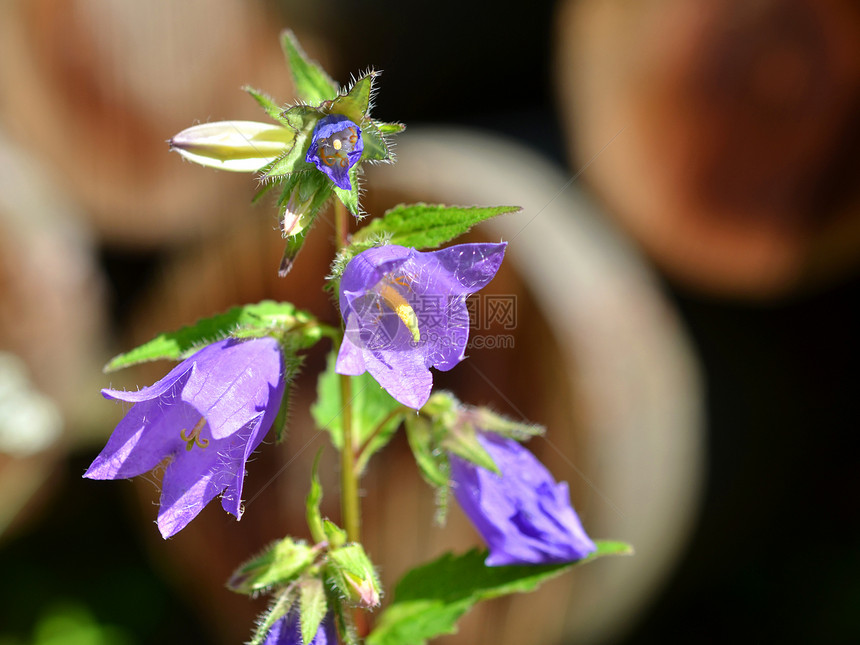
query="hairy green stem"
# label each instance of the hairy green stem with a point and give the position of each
(349, 502)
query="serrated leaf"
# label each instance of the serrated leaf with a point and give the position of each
(375, 415)
(312, 607)
(267, 103)
(430, 599)
(353, 105)
(313, 85)
(279, 564)
(254, 319)
(428, 226)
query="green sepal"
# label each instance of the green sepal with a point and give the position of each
(312, 607)
(283, 417)
(462, 440)
(431, 461)
(425, 438)
(355, 103)
(346, 254)
(264, 318)
(350, 198)
(308, 191)
(342, 618)
(456, 428)
(352, 573)
(430, 599)
(313, 85)
(312, 503)
(375, 145)
(280, 607)
(335, 535)
(302, 119)
(389, 128)
(279, 564)
(428, 226)
(375, 415)
(267, 103)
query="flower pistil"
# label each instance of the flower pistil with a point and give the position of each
(193, 438)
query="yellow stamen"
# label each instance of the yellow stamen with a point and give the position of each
(193, 438)
(398, 304)
(337, 144)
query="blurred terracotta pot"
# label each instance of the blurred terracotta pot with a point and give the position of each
(96, 88)
(736, 166)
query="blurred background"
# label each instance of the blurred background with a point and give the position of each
(685, 271)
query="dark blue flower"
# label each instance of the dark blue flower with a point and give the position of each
(288, 631)
(524, 516)
(405, 311)
(335, 148)
(206, 416)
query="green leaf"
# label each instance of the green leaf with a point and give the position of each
(312, 607)
(313, 85)
(267, 103)
(429, 600)
(354, 104)
(260, 319)
(279, 564)
(375, 415)
(428, 226)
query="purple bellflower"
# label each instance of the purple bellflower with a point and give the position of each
(524, 516)
(335, 148)
(206, 416)
(287, 631)
(405, 311)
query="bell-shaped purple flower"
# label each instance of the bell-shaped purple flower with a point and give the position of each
(405, 311)
(336, 147)
(206, 416)
(524, 516)
(287, 631)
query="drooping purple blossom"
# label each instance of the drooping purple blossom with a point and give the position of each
(206, 416)
(336, 147)
(524, 516)
(405, 311)
(288, 631)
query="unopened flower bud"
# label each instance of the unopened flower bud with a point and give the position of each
(241, 146)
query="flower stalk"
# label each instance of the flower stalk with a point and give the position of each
(349, 502)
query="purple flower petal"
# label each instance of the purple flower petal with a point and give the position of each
(205, 417)
(524, 516)
(405, 311)
(288, 631)
(335, 148)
